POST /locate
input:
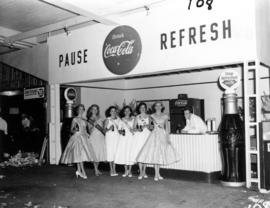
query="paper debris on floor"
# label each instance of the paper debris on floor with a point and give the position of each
(3, 204)
(31, 205)
(21, 159)
(259, 202)
(4, 196)
(28, 204)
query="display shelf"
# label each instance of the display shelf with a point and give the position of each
(252, 123)
(253, 151)
(254, 180)
(252, 118)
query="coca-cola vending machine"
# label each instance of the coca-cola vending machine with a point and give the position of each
(264, 151)
(177, 118)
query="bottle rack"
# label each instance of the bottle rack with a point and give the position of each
(252, 109)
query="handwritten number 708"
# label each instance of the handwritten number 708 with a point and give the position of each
(200, 3)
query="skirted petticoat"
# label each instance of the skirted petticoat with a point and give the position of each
(78, 149)
(138, 142)
(125, 145)
(112, 139)
(158, 149)
(97, 140)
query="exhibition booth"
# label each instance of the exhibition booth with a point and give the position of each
(158, 54)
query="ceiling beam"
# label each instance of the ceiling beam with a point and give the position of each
(6, 32)
(48, 28)
(74, 9)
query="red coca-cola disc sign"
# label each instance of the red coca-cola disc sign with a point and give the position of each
(122, 50)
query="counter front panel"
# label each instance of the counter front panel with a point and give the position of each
(197, 152)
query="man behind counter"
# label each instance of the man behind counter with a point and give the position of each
(194, 124)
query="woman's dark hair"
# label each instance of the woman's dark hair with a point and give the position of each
(30, 118)
(122, 112)
(139, 106)
(76, 110)
(108, 111)
(24, 116)
(154, 105)
(188, 108)
(89, 111)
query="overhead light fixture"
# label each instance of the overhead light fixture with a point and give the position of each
(10, 45)
(67, 31)
(147, 9)
(11, 93)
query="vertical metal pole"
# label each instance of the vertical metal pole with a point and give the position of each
(258, 119)
(247, 127)
(55, 128)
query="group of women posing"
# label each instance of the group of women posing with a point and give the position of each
(121, 139)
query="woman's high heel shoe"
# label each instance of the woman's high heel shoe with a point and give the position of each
(98, 173)
(77, 174)
(81, 175)
(114, 174)
(84, 176)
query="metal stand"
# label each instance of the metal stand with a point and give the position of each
(252, 109)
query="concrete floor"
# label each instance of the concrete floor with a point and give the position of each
(56, 186)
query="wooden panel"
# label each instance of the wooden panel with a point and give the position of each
(14, 79)
(197, 153)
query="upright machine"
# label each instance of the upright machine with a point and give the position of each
(178, 121)
(265, 154)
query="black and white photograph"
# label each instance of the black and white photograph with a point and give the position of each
(134, 103)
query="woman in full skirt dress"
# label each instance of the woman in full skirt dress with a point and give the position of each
(158, 149)
(124, 147)
(97, 136)
(78, 149)
(142, 132)
(112, 136)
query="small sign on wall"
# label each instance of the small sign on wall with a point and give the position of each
(70, 94)
(14, 111)
(34, 93)
(268, 147)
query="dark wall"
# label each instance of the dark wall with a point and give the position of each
(35, 108)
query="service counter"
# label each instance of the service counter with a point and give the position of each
(199, 154)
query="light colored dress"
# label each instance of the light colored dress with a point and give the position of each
(157, 149)
(78, 148)
(124, 147)
(112, 138)
(139, 138)
(97, 140)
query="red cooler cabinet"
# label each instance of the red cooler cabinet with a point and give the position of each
(178, 121)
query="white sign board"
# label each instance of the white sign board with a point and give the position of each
(173, 37)
(229, 80)
(34, 93)
(70, 94)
